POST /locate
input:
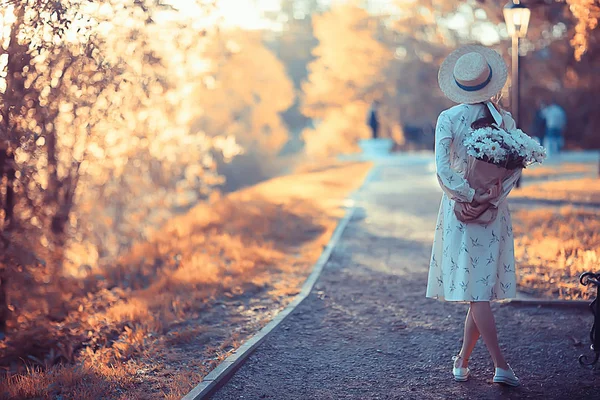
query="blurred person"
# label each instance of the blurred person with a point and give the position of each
(373, 119)
(472, 262)
(538, 127)
(556, 121)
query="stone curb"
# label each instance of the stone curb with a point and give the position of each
(221, 374)
(528, 300)
(550, 303)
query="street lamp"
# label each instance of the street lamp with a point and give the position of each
(517, 21)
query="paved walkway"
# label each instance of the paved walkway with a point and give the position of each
(367, 332)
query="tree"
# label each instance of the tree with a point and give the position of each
(347, 74)
(587, 13)
(549, 72)
(26, 115)
(97, 120)
(293, 44)
(552, 70)
(420, 44)
(245, 91)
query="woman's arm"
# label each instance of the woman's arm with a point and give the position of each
(455, 186)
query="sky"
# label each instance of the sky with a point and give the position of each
(249, 14)
(246, 14)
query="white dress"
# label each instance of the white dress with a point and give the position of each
(469, 262)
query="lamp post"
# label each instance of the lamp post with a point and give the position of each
(517, 21)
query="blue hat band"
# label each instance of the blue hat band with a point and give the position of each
(475, 88)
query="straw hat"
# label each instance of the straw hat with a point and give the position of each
(472, 74)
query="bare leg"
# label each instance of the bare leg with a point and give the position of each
(471, 335)
(484, 319)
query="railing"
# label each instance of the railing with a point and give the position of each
(589, 278)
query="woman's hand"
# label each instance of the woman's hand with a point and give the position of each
(473, 210)
(491, 194)
(481, 201)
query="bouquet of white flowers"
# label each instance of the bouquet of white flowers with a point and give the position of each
(508, 149)
(494, 155)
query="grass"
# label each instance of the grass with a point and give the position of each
(553, 248)
(556, 170)
(585, 190)
(554, 245)
(170, 310)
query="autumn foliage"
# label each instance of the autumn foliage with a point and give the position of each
(152, 321)
(346, 75)
(109, 128)
(587, 13)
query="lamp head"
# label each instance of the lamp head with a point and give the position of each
(517, 17)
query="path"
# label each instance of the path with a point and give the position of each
(367, 332)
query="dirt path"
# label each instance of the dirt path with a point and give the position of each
(367, 331)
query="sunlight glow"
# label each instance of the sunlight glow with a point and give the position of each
(245, 14)
(471, 24)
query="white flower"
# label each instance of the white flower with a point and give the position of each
(510, 141)
(488, 141)
(497, 153)
(529, 148)
(504, 148)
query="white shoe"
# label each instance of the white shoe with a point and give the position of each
(506, 377)
(460, 374)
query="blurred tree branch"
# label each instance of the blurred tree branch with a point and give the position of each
(586, 13)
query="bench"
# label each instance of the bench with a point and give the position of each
(590, 278)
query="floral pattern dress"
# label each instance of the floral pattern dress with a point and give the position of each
(469, 262)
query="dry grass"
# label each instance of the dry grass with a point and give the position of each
(549, 171)
(85, 381)
(553, 248)
(169, 311)
(585, 190)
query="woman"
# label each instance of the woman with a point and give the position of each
(472, 262)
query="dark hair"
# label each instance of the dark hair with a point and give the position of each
(484, 122)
